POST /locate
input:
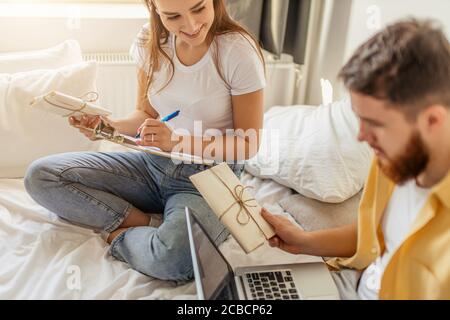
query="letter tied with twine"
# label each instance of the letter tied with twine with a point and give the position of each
(239, 212)
(85, 98)
(65, 105)
(243, 217)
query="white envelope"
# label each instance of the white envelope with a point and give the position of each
(234, 205)
(67, 106)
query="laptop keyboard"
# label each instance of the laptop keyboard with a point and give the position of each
(276, 285)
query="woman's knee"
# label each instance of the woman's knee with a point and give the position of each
(39, 176)
(49, 170)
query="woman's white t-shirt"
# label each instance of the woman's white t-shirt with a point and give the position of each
(198, 91)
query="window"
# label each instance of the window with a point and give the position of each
(130, 9)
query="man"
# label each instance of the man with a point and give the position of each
(399, 83)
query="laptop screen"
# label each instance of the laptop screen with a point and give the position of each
(213, 270)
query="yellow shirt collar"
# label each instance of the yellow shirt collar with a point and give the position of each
(442, 191)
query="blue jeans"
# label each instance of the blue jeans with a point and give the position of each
(98, 190)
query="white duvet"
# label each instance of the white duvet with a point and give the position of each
(43, 257)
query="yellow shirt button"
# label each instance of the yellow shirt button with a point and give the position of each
(374, 250)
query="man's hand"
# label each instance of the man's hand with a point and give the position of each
(289, 237)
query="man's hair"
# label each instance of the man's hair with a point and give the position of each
(407, 64)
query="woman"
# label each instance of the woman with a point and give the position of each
(193, 58)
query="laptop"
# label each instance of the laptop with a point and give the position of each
(216, 280)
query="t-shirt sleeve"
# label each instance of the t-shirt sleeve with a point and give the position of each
(139, 48)
(245, 70)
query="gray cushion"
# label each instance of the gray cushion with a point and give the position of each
(315, 215)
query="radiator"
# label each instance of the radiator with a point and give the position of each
(283, 81)
(117, 81)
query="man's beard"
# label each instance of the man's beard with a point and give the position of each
(410, 164)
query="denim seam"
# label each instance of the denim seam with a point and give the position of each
(116, 224)
(115, 214)
(115, 243)
(138, 179)
(178, 172)
(198, 169)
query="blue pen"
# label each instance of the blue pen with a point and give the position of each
(165, 119)
(170, 116)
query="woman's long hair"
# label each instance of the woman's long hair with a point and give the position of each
(159, 36)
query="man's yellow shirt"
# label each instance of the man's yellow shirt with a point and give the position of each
(420, 268)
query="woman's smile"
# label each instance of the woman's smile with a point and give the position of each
(193, 35)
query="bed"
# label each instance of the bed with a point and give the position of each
(321, 172)
(43, 257)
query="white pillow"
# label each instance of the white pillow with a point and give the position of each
(313, 151)
(68, 52)
(28, 134)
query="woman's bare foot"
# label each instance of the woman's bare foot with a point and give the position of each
(151, 219)
(136, 218)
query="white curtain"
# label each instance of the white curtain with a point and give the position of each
(325, 49)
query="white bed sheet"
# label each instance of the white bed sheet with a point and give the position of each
(43, 257)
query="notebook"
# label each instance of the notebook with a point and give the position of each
(66, 106)
(108, 133)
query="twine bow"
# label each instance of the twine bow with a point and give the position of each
(82, 107)
(238, 195)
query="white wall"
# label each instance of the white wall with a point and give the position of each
(390, 11)
(345, 27)
(364, 14)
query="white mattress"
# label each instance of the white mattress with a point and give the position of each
(43, 257)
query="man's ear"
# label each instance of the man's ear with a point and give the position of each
(433, 118)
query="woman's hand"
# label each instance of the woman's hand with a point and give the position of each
(289, 237)
(90, 122)
(155, 133)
